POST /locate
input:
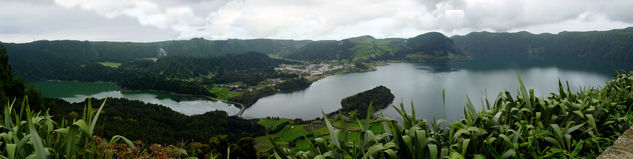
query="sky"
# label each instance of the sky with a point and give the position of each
(158, 20)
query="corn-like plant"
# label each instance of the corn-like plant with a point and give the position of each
(25, 134)
(564, 125)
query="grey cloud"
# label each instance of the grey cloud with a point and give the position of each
(307, 19)
(23, 21)
(507, 15)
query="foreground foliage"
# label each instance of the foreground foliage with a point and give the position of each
(25, 134)
(564, 125)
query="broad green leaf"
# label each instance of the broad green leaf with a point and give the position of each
(96, 117)
(332, 130)
(577, 148)
(509, 153)
(35, 137)
(455, 155)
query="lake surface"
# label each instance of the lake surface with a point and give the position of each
(422, 84)
(75, 92)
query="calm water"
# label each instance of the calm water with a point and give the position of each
(77, 92)
(422, 83)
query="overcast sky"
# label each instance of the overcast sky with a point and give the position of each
(157, 20)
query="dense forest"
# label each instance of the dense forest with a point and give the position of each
(153, 123)
(33, 60)
(190, 66)
(12, 87)
(294, 84)
(248, 67)
(379, 98)
(88, 51)
(612, 44)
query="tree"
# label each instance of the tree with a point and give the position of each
(380, 97)
(10, 86)
(246, 148)
(13, 87)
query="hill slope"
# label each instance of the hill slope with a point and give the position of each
(614, 44)
(427, 46)
(65, 58)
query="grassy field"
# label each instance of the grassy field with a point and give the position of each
(283, 58)
(272, 123)
(110, 64)
(292, 132)
(150, 59)
(223, 93)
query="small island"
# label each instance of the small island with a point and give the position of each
(357, 105)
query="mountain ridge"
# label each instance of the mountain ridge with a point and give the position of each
(28, 59)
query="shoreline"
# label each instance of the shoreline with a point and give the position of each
(188, 97)
(235, 104)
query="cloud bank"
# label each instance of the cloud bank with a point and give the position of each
(336, 19)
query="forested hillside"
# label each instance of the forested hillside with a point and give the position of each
(209, 75)
(192, 66)
(429, 46)
(11, 87)
(615, 44)
(88, 51)
(191, 74)
(35, 60)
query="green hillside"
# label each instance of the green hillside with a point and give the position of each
(613, 44)
(429, 46)
(33, 60)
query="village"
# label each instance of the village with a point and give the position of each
(310, 69)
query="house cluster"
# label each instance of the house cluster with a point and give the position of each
(311, 69)
(238, 88)
(232, 87)
(273, 82)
